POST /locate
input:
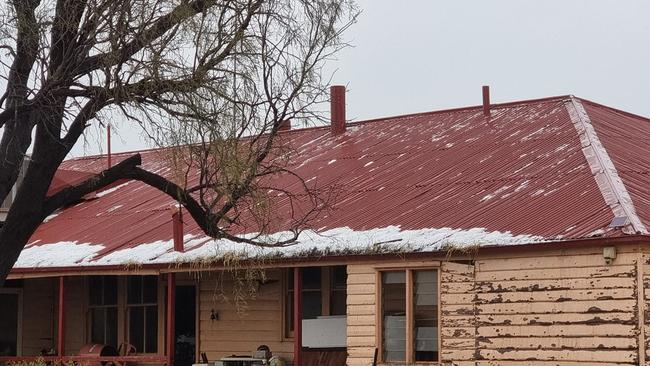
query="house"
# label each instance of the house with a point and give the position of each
(501, 234)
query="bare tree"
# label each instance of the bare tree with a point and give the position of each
(214, 79)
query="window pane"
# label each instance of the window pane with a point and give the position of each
(151, 331)
(339, 280)
(111, 327)
(95, 284)
(311, 304)
(134, 290)
(288, 316)
(425, 315)
(311, 278)
(394, 316)
(339, 277)
(110, 290)
(97, 322)
(136, 327)
(150, 289)
(337, 303)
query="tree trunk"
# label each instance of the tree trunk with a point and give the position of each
(15, 141)
(27, 212)
(16, 231)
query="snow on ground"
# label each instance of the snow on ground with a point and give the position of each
(339, 241)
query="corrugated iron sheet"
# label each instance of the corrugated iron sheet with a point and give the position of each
(627, 139)
(522, 170)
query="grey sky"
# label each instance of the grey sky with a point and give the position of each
(422, 55)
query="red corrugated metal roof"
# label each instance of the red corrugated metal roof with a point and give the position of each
(67, 178)
(522, 171)
(627, 139)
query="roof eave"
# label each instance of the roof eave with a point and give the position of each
(156, 268)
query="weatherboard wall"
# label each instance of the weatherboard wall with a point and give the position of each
(645, 306)
(542, 308)
(242, 325)
(554, 307)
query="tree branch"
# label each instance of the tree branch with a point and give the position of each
(73, 194)
(163, 24)
(202, 218)
(26, 51)
(64, 30)
(207, 221)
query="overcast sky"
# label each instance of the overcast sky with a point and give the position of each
(421, 55)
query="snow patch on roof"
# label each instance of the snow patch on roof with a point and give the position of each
(495, 193)
(339, 241)
(111, 190)
(114, 208)
(523, 185)
(51, 216)
(562, 147)
(62, 254)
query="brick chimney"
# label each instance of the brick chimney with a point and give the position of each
(486, 100)
(337, 109)
(285, 125)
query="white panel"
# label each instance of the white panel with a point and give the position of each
(325, 332)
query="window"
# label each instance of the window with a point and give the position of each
(142, 313)
(409, 316)
(323, 293)
(102, 309)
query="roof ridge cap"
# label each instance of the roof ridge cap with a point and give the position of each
(357, 123)
(603, 170)
(617, 110)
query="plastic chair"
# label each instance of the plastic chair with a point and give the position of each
(126, 349)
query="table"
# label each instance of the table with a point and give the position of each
(240, 361)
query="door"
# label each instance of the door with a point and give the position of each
(10, 321)
(185, 332)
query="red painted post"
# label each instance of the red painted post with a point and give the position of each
(337, 109)
(297, 317)
(108, 142)
(60, 340)
(171, 289)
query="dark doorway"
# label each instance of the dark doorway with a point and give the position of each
(185, 334)
(9, 310)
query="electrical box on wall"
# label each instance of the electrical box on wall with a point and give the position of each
(609, 254)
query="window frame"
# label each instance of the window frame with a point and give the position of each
(144, 306)
(104, 307)
(333, 289)
(123, 326)
(326, 290)
(409, 270)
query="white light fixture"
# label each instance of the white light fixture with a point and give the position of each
(609, 253)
